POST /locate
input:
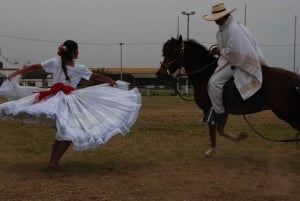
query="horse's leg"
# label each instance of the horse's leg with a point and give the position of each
(233, 138)
(212, 134)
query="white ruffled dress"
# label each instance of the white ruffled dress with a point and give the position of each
(88, 117)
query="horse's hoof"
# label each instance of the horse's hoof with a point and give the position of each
(242, 136)
(210, 152)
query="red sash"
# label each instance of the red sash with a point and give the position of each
(53, 90)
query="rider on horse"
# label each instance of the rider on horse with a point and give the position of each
(239, 57)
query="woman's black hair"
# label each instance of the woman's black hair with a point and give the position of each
(66, 53)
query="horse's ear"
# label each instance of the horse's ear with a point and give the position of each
(179, 39)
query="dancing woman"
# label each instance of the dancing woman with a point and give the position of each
(85, 117)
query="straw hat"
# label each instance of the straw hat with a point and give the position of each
(218, 11)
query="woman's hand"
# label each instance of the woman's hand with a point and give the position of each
(11, 76)
(103, 78)
(111, 82)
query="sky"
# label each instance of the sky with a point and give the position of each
(31, 30)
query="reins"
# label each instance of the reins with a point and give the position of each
(296, 139)
(179, 94)
(191, 73)
(202, 68)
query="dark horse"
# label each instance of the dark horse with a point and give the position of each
(279, 91)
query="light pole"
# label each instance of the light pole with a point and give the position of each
(188, 14)
(121, 59)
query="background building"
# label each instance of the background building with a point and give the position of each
(140, 77)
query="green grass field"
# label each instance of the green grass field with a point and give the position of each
(162, 158)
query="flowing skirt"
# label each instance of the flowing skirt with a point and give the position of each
(88, 117)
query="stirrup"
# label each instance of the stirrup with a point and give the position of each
(209, 117)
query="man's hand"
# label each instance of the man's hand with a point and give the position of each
(215, 51)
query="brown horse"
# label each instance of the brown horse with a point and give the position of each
(279, 92)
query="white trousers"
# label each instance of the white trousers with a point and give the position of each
(215, 87)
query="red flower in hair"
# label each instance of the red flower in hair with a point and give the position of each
(61, 48)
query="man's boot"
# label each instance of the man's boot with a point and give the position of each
(209, 117)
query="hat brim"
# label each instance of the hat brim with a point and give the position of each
(216, 16)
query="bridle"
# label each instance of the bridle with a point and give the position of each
(167, 65)
(180, 57)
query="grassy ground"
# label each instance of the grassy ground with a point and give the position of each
(161, 159)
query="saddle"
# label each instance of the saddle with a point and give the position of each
(233, 100)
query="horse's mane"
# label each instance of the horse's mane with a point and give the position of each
(198, 47)
(192, 42)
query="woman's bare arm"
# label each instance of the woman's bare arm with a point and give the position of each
(24, 70)
(103, 78)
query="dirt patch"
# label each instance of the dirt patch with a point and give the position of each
(192, 181)
(161, 159)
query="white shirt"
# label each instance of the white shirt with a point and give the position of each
(239, 48)
(75, 72)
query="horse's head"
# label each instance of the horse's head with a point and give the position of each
(190, 55)
(172, 52)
